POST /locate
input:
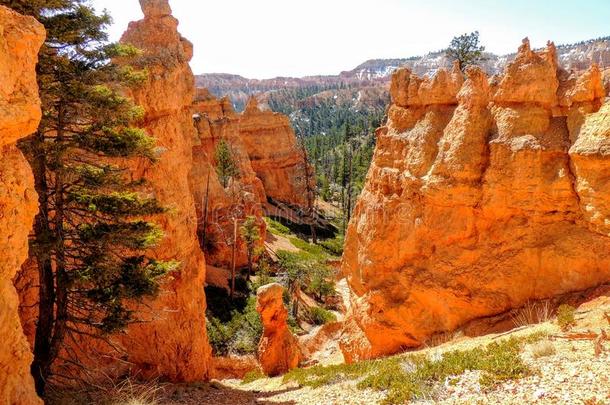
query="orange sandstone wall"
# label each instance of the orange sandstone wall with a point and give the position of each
(174, 344)
(20, 40)
(215, 121)
(483, 193)
(272, 146)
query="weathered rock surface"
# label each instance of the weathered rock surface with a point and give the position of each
(20, 40)
(271, 144)
(479, 198)
(233, 367)
(278, 350)
(217, 206)
(174, 344)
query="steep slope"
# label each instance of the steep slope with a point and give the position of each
(482, 195)
(20, 39)
(173, 345)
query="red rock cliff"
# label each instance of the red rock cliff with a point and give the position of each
(482, 195)
(272, 146)
(20, 40)
(215, 121)
(174, 345)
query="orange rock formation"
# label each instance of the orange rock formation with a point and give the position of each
(271, 175)
(216, 206)
(174, 345)
(20, 40)
(278, 350)
(271, 144)
(482, 195)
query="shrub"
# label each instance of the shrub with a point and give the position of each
(276, 227)
(405, 378)
(542, 349)
(565, 317)
(263, 273)
(252, 376)
(321, 284)
(532, 313)
(315, 252)
(320, 316)
(334, 246)
(239, 335)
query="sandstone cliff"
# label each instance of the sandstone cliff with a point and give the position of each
(216, 206)
(20, 39)
(174, 344)
(271, 175)
(482, 194)
(272, 146)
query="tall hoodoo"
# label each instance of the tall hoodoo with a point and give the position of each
(278, 350)
(482, 195)
(173, 344)
(20, 40)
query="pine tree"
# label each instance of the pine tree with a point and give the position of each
(90, 234)
(250, 234)
(226, 167)
(466, 50)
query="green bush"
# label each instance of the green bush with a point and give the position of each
(263, 275)
(565, 317)
(315, 252)
(321, 282)
(239, 335)
(252, 376)
(334, 246)
(320, 316)
(405, 378)
(276, 227)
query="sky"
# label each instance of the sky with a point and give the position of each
(262, 39)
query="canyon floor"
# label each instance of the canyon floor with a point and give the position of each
(564, 367)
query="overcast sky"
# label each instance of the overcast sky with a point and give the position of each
(267, 38)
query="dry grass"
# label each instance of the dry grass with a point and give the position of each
(126, 392)
(440, 339)
(532, 313)
(541, 349)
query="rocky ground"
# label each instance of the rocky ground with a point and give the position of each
(567, 369)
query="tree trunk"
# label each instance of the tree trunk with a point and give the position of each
(249, 263)
(234, 247)
(205, 214)
(41, 365)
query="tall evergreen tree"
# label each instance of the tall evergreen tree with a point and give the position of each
(251, 236)
(226, 167)
(90, 236)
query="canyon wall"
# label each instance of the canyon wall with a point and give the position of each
(173, 345)
(483, 194)
(272, 146)
(20, 40)
(217, 206)
(270, 179)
